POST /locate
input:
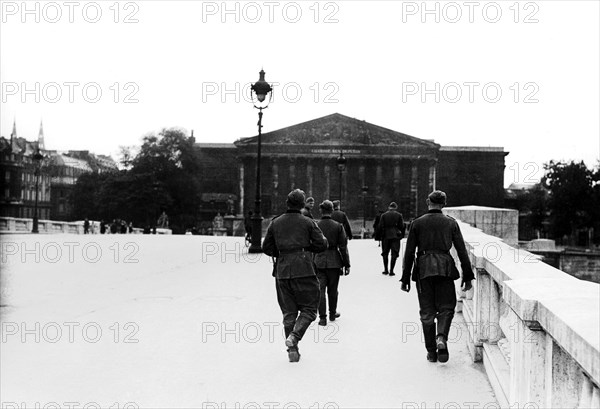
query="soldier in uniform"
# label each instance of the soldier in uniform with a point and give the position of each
(391, 231)
(431, 236)
(339, 216)
(292, 238)
(331, 262)
(307, 209)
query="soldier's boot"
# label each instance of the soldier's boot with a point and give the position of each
(385, 265)
(392, 265)
(442, 348)
(323, 321)
(292, 343)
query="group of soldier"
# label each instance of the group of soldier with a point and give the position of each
(312, 255)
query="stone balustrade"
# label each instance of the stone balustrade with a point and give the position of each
(19, 225)
(536, 328)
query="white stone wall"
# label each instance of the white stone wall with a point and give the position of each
(536, 329)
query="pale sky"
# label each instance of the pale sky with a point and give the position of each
(187, 64)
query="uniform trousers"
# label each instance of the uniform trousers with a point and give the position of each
(298, 299)
(329, 278)
(437, 301)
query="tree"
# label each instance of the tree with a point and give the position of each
(572, 204)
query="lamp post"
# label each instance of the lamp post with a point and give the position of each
(37, 158)
(261, 88)
(341, 165)
(365, 189)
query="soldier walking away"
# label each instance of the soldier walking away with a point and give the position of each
(307, 209)
(339, 216)
(432, 236)
(292, 238)
(332, 263)
(391, 231)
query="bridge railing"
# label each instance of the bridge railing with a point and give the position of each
(536, 329)
(22, 225)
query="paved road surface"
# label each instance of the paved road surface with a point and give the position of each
(192, 321)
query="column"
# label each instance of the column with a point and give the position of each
(378, 179)
(397, 181)
(414, 188)
(432, 176)
(327, 171)
(309, 178)
(292, 173)
(241, 206)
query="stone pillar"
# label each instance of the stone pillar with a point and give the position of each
(275, 201)
(361, 175)
(292, 173)
(241, 206)
(309, 178)
(378, 179)
(432, 176)
(327, 171)
(414, 188)
(396, 181)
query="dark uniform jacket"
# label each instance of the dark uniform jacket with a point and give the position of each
(336, 255)
(391, 225)
(341, 217)
(433, 235)
(291, 237)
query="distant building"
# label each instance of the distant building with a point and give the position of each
(392, 165)
(59, 172)
(18, 177)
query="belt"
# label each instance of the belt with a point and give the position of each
(425, 252)
(291, 251)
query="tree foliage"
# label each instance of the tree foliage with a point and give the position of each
(574, 197)
(162, 176)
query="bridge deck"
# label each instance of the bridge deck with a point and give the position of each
(192, 321)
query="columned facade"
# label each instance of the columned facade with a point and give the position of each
(393, 166)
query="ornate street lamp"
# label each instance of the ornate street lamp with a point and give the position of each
(365, 189)
(261, 88)
(341, 165)
(37, 159)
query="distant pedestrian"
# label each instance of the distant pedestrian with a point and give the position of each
(432, 236)
(102, 227)
(391, 231)
(123, 227)
(339, 216)
(307, 209)
(376, 232)
(113, 227)
(332, 263)
(130, 227)
(292, 238)
(86, 226)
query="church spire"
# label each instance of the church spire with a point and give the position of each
(14, 131)
(41, 137)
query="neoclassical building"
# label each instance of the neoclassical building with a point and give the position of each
(382, 165)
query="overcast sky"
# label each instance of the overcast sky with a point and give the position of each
(520, 75)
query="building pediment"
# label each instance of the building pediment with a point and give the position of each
(337, 129)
